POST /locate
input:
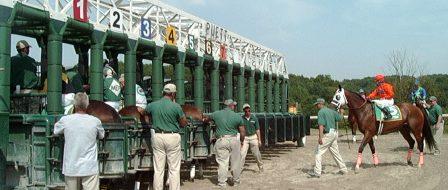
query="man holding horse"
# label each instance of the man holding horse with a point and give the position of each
(328, 137)
(436, 122)
(228, 145)
(383, 95)
(167, 118)
(81, 131)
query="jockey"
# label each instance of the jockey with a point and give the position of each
(418, 94)
(362, 93)
(112, 89)
(140, 97)
(383, 95)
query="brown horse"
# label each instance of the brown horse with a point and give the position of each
(145, 118)
(102, 111)
(413, 120)
(138, 113)
(193, 112)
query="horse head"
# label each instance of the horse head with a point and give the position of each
(102, 111)
(193, 112)
(339, 98)
(136, 112)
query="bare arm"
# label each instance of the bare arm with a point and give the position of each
(321, 134)
(183, 121)
(259, 136)
(439, 119)
(242, 130)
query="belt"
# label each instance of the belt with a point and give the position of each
(226, 136)
(165, 132)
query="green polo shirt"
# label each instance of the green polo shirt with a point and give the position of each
(112, 90)
(434, 113)
(328, 118)
(251, 124)
(23, 72)
(227, 122)
(165, 115)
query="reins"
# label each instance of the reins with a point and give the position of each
(362, 105)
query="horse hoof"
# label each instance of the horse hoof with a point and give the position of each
(356, 169)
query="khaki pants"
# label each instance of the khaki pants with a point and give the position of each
(87, 183)
(166, 147)
(437, 132)
(228, 147)
(329, 141)
(251, 141)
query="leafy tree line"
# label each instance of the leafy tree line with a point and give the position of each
(305, 90)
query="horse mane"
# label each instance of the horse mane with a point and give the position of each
(359, 96)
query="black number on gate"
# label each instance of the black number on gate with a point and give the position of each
(171, 36)
(117, 15)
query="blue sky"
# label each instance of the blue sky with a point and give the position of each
(345, 39)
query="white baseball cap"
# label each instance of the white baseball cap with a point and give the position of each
(169, 88)
(229, 102)
(246, 106)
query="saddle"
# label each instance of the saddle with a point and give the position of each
(393, 110)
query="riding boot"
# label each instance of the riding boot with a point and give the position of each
(386, 112)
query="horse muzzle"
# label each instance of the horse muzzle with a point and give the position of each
(336, 103)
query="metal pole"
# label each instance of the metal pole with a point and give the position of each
(96, 65)
(277, 94)
(284, 95)
(199, 83)
(157, 77)
(5, 70)
(240, 90)
(179, 69)
(269, 94)
(129, 73)
(214, 80)
(261, 93)
(54, 92)
(252, 90)
(229, 82)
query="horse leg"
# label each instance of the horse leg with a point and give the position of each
(367, 137)
(354, 127)
(405, 132)
(374, 155)
(419, 138)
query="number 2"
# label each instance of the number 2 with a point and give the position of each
(117, 19)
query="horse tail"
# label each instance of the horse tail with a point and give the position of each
(427, 133)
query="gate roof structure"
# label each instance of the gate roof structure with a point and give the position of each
(192, 31)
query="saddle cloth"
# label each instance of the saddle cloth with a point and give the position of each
(393, 110)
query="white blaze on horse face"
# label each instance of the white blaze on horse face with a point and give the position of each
(339, 98)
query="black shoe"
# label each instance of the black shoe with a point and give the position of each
(313, 175)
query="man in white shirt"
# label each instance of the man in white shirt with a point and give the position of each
(81, 131)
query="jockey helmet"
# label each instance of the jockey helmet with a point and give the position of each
(379, 78)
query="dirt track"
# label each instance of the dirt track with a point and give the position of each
(286, 167)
